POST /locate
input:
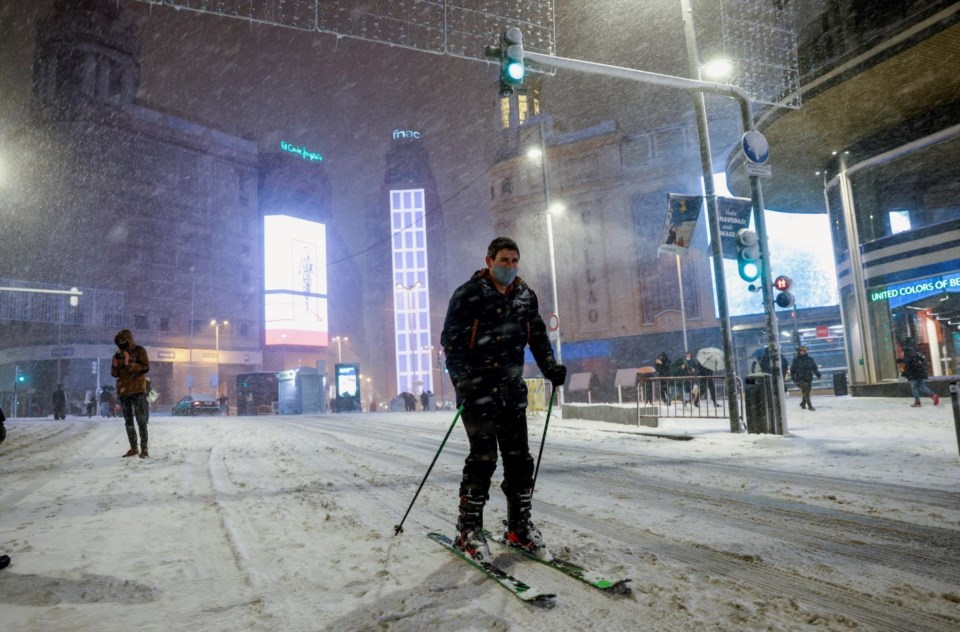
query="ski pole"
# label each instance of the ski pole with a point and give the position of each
(398, 529)
(544, 439)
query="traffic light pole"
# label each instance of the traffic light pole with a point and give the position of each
(756, 193)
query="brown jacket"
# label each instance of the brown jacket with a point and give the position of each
(131, 374)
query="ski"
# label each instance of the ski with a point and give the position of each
(591, 578)
(518, 588)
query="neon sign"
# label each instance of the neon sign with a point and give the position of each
(300, 151)
(399, 133)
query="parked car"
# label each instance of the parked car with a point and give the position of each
(196, 404)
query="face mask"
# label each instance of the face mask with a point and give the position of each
(504, 276)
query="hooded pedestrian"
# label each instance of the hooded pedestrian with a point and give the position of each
(802, 371)
(913, 366)
(130, 366)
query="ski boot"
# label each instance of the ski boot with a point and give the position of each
(470, 538)
(521, 531)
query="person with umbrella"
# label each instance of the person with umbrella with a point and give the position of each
(711, 361)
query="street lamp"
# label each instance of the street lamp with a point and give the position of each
(540, 153)
(217, 324)
(340, 340)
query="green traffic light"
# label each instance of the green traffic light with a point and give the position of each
(749, 270)
(514, 72)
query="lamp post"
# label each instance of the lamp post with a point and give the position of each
(429, 350)
(340, 340)
(541, 153)
(216, 324)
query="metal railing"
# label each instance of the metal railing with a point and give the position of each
(695, 397)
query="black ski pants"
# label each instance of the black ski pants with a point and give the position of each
(489, 426)
(136, 405)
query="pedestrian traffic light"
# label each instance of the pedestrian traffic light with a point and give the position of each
(784, 299)
(748, 254)
(510, 53)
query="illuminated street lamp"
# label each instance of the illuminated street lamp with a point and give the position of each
(217, 324)
(340, 340)
(539, 153)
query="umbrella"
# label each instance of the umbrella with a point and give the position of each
(710, 358)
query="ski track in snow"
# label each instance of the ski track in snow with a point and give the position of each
(287, 523)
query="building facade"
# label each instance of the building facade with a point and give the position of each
(156, 219)
(880, 98)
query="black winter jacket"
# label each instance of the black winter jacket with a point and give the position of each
(914, 364)
(803, 369)
(485, 332)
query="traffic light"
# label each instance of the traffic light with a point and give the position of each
(748, 254)
(510, 54)
(93, 367)
(21, 378)
(784, 298)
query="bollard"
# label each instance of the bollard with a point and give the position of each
(955, 402)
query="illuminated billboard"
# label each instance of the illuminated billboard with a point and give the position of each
(295, 282)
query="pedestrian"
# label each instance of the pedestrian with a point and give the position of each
(708, 382)
(802, 371)
(913, 366)
(489, 321)
(223, 399)
(90, 403)
(663, 371)
(424, 399)
(59, 403)
(106, 402)
(130, 366)
(3, 428)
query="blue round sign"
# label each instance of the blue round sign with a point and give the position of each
(755, 147)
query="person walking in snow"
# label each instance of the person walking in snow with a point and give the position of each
(59, 403)
(489, 321)
(913, 366)
(802, 371)
(130, 366)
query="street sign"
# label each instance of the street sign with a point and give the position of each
(752, 169)
(755, 147)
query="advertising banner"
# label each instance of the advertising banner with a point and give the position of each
(734, 214)
(683, 211)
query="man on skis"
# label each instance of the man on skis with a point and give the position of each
(490, 319)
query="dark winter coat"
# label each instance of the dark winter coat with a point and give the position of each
(914, 364)
(132, 377)
(59, 399)
(663, 365)
(803, 369)
(484, 335)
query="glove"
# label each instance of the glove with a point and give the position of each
(557, 374)
(468, 388)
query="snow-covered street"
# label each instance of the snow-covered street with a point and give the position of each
(851, 521)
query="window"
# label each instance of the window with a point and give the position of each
(140, 322)
(164, 323)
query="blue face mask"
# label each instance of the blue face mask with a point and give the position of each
(504, 276)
